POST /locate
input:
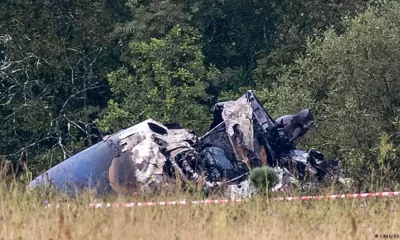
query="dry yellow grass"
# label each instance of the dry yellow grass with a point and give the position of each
(23, 216)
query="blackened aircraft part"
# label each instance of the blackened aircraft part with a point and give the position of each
(173, 125)
(280, 137)
(238, 136)
(296, 125)
(312, 164)
(218, 137)
(217, 114)
(218, 166)
(269, 139)
(298, 164)
(218, 157)
(267, 132)
(218, 154)
(265, 124)
(259, 112)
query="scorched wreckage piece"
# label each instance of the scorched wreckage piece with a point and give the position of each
(147, 155)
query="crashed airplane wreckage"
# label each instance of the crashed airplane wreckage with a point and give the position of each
(243, 136)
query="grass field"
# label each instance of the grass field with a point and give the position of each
(23, 216)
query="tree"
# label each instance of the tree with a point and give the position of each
(249, 39)
(246, 40)
(151, 19)
(165, 79)
(352, 83)
(57, 53)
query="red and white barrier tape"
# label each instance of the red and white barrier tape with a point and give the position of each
(224, 201)
(354, 195)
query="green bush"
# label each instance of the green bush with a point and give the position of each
(263, 178)
(351, 81)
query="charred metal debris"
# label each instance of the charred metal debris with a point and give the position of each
(150, 155)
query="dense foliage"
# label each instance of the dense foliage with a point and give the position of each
(168, 76)
(352, 82)
(69, 68)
